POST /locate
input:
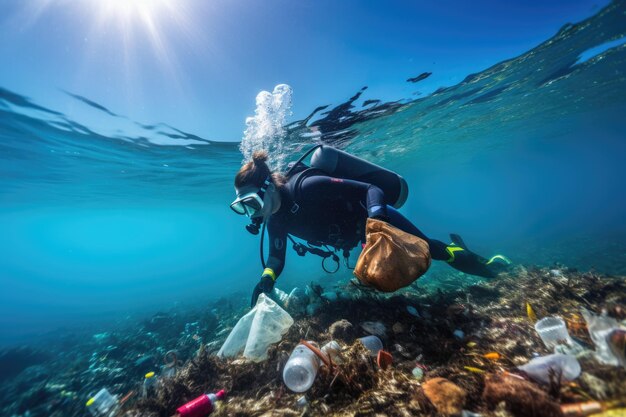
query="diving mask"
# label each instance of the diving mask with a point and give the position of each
(251, 203)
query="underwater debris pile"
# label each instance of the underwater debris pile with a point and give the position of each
(453, 351)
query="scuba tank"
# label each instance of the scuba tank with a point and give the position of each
(340, 164)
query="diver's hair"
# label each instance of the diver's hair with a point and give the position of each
(255, 172)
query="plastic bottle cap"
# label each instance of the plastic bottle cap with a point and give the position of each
(90, 401)
(149, 375)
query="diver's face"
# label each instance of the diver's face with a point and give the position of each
(249, 203)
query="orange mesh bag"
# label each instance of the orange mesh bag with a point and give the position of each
(392, 259)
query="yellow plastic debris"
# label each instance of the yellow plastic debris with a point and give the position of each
(494, 356)
(474, 370)
(530, 312)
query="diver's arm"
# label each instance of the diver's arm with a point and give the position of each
(277, 236)
(373, 196)
(275, 262)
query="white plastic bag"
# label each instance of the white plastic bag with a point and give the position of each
(599, 328)
(265, 324)
(565, 367)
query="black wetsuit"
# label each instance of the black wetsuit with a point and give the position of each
(332, 211)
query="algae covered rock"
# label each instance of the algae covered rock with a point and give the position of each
(522, 398)
(447, 397)
(342, 330)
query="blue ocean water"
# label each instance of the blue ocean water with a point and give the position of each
(104, 222)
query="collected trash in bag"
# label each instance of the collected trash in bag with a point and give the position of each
(608, 336)
(392, 259)
(265, 324)
(555, 366)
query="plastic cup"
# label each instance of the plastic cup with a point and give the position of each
(553, 332)
(372, 343)
(301, 369)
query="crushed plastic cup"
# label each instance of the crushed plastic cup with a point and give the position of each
(553, 332)
(600, 328)
(332, 349)
(103, 404)
(543, 368)
(372, 343)
(301, 369)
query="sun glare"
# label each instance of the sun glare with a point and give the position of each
(127, 9)
(129, 33)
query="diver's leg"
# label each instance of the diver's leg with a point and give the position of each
(437, 247)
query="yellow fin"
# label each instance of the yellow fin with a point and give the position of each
(530, 312)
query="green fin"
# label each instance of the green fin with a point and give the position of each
(498, 257)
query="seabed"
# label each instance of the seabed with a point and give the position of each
(466, 340)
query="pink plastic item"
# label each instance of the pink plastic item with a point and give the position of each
(201, 406)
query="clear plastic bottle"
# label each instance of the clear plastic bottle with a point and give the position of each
(201, 406)
(103, 404)
(301, 369)
(150, 382)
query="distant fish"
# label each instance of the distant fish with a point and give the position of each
(471, 344)
(419, 78)
(530, 313)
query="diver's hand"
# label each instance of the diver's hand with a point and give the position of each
(265, 285)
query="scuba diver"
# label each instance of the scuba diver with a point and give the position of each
(327, 205)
